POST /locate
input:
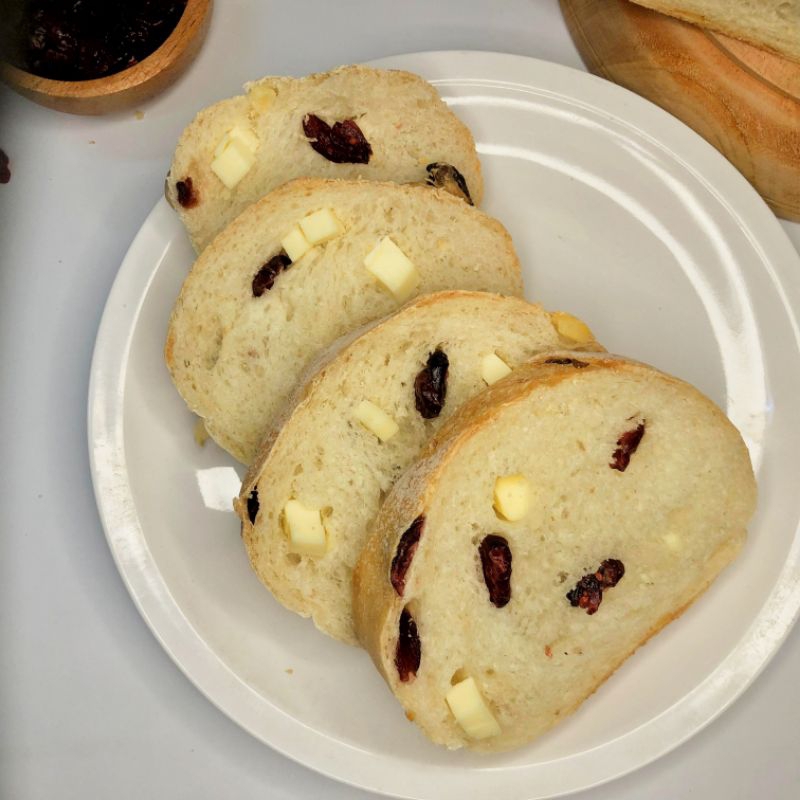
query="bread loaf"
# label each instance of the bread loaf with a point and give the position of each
(249, 319)
(554, 524)
(359, 420)
(391, 126)
(771, 24)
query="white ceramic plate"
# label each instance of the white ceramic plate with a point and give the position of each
(621, 215)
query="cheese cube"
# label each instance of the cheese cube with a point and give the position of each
(471, 711)
(376, 420)
(321, 226)
(261, 96)
(305, 529)
(243, 135)
(295, 244)
(233, 162)
(512, 497)
(390, 265)
(571, 327)
(493, 368)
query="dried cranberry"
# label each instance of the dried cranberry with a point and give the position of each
(187, 196)
(408, 654)
(430, 385)
(587, 594)
(5, 170)
(344, 143)
(404, 554)
(252, 506)
(588, 591)
(496, 562)
(567, 362)
(264, 279)
(626, 447)
(447, 177)
(610, 572)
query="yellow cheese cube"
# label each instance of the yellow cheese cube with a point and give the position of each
(305, 529)
(261, 96)
(295, 244)
(390, 265)
(233, 162)
(321, 226)
(376, 420)
(512, 497)
(471, 711)
(571, 327)
(493, 368)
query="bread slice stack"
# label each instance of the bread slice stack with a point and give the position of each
(555, 524)
(455, 478)
(353, 122)
(306, 264)
(359, 420)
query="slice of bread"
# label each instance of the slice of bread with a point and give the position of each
(235, 356)
(638, 493)
(771, 24)
(325, 457)
(404, 121)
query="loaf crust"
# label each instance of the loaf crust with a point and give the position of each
(675, 517)
(318, 453)
(402, 116)
(234, 357)
(773, 25)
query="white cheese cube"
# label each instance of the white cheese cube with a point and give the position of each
(571, 327)
(295, 244)
(233, 163)
(471, 711)
(243, 135)
(321, 226)
(493, 368)
(376, 420)
(512, 497)
(305, 529)
(390, 265)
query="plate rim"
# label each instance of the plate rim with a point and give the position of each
(288, 736)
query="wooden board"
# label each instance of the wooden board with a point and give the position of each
(743, 100)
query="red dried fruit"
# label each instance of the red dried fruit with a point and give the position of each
(430, 385)
(587, 594)
(344, 143)
(567, 362)
(5, 170)
(406, 548)
(447, 177)
(496, 562)
(252, 506)
(187, 196)
(610, 572)
(264, 279)
(626, 447)
(408, 654)
(588, 591)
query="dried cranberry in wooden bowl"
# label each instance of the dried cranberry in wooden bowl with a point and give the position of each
(117, 90)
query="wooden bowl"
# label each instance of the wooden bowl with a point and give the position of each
(127, 88)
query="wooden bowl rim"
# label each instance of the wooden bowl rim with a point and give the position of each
(160, 59)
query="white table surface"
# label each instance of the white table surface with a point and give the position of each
(90, 705)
